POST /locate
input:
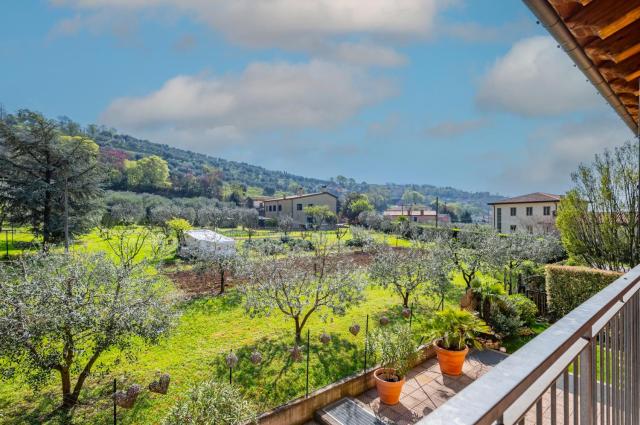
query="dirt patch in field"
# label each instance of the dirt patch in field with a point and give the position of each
(194, 284)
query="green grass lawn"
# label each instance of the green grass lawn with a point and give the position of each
(209, 327)
(195, 350)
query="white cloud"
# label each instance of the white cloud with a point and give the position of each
(451, 129)
(290, 22)
(553, 153)
(535, 78)
(265, 96)
(364, 54)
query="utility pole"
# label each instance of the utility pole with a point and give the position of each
(66, 215)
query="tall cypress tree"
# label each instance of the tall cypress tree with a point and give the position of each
(44, 173)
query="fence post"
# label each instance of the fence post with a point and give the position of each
(366, 343)
(586, 381)
(115, 408)
(308, 350)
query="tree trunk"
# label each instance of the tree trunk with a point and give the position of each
(68, 400)
(298, 330)
(405, 299)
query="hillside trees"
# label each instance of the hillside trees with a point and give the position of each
(151, 172)
(412, 197)
(60, 312)
(43, 170)
(354, 204)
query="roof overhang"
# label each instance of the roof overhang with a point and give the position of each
(602, 37)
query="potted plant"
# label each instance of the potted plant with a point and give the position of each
(453, 331)
(395, 351)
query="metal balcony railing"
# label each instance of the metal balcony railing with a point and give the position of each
(583, 370)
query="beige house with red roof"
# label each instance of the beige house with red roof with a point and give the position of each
(534, 213)
(294, 206)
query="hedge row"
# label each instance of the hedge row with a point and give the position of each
(568, 286)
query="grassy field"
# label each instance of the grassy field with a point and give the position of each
(208, 328)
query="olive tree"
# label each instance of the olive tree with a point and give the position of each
(405, 271)
(510, 252)
(470, 251)
(299, 285)
(60, 312)
(285, 224)
(217, 258)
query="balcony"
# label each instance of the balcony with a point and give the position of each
(585, 369)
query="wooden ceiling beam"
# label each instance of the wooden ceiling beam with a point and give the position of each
(617, 48)
(623, 86)
(603, 18)
(628, 69)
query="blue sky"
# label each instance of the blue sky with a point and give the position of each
(469, 94)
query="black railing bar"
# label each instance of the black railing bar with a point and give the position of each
(482, 401)
(528, 398)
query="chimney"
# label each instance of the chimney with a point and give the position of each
(300, 191)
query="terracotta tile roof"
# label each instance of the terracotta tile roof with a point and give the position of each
(532, 197)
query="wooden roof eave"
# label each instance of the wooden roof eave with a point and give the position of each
(554, 24)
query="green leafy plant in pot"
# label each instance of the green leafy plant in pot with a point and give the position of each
(395, 350)
(453, 332)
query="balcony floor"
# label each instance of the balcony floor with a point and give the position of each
(426, 388)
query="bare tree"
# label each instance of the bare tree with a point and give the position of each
(598, 218)
(61, 312)
(299, 286)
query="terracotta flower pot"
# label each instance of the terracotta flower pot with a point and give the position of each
(451, 361)
(389, 392)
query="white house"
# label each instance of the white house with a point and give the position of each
(205, 240)
(534, 213)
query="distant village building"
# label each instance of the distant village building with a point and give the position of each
(294, 206)
(534, 213)
(416, 213)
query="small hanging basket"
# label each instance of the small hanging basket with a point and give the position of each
(325, 338)
(256, 357)
(384, 320)
(354, 329)
(128, 399)
(406, 312)
(296, 353)
(231, 360)
(161, 386)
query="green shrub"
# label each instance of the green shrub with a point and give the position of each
(212, 403)
(301, 244)
(526, 309)
(394, 348)
(456, 329)
(568, 287)
(265, 246)
(504, 318)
